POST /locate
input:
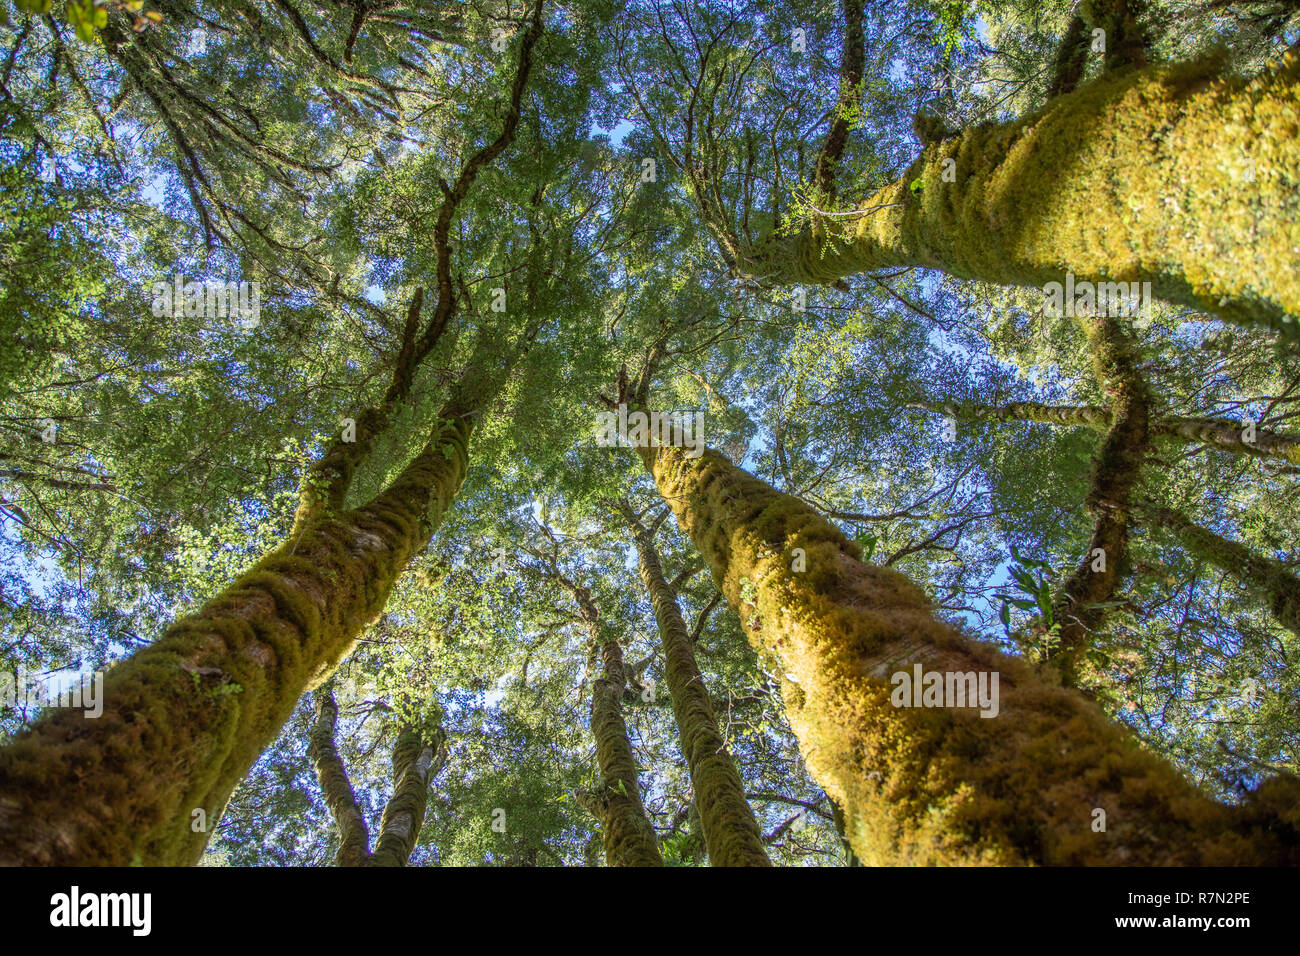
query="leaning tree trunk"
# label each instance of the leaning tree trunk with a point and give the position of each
(1080, 606)
(418, 754)
(1161, 174)
(185, 718)
(932, 785)
(625, 830)
(1256, 571)
(1222, 434)
(731, 833)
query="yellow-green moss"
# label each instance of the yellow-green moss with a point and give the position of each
(938, 786)
(122, 787)
(1163, 174)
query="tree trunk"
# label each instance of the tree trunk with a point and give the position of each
(1219, 433)
(731, 833)
(185, 718)
(417, 755)
(1263, 574)
(940, 784)
(1121, 180)
(628, 837)
(1079, 607)
(332, 775)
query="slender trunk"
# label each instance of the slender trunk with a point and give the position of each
(626, 832)
(1079, 607)
(1220, 433)
(418, 754)
(1126, 41)
(850, 858)
(1256, 571)
(731, 833)
(1228, 435)
(332, 774)
(939, 784)
(1084, 416)
(1123, 180)
(185, 718)
(1071, 59)
(853, 60)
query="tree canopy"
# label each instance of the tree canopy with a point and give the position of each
(972, 324)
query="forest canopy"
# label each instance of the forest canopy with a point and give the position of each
(649, 432)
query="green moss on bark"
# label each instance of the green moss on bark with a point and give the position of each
(940, 785)
(1162, 174)
(731, 833)
(185, 718)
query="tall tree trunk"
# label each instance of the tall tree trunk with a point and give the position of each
(1280, 586)
(1079, 607)
(853, 60)
(1071, 59)
(1221, 433)
(932, 785)
(417, 755)
(626, 832)
(1123, 179)
(332, 775)
(185, 718)
(731, 833)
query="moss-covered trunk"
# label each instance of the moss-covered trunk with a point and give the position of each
(1264, 575)
(1220, 433)
(731, 833)
(1161, 174)
(417, 755)
(1081, 416)
(1081, 605)
(626, 833)
(332, 775)
(185, 718)
(941, 784)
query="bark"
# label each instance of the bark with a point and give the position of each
(1078, 607)
(1219, 433)
(1121, 180)
(941, 785)
(1126, 41)
(354, 837)
(626, 833)
(1263, 574)
(850, 858)
(1071, 58)
(852, 63)
(185, 718)
(731, 833)
(418, 754)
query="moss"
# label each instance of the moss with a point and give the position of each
(1279, 587)
(109, 790)
(626, 833)
(935, 785)
(1079, 608)
(1162, 174)
(731, 834)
